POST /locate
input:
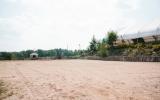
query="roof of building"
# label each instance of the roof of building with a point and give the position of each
(153, 32)
(34, 53)
(150, 29)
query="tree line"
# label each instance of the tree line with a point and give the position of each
(103, 48)
(56, 53)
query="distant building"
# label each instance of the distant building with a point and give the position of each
(33, 56)
(143, 36)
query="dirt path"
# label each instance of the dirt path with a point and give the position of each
(81, 80)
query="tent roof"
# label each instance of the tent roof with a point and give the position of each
(33, 54)
(140, 34)
(150, 29)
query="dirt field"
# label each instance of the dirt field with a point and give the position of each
(81, 80)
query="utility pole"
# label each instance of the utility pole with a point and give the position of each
(67, 46)
(79, 46)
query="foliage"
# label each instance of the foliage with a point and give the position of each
(93, 46)
(106, 47)
(111, 37)
(102, 49)
(5, 56)
(56, 53)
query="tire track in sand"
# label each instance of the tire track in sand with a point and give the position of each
(28, 86)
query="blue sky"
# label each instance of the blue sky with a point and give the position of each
(48, 24)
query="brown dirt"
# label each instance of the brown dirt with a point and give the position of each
(81, 80)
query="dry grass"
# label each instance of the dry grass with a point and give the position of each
(3, 90)
(4, 93)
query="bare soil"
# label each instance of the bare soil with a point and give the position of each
(81, 80)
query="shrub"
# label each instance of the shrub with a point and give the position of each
(102, 50)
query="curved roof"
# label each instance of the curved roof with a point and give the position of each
(33, 54)
(151, 29)
(140, 34)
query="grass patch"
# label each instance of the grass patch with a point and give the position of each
(2, 88)
(3, 91)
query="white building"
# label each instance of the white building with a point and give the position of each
(33, 56)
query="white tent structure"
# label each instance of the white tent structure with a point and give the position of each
(148, 33)
(33, 56)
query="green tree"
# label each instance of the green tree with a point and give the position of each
(93, 46)
(51, 53)
(13, 56)
(102, 49)
(5, 56)
(28, 52)
(111, 37)
(40, 53)
(59, 53)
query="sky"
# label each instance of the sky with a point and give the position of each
(49, 24)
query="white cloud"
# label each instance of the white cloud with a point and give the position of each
(50, 24)
(11, 0)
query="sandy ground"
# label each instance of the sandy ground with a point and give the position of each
(81, 80)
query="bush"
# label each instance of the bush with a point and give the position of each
(102, 51)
